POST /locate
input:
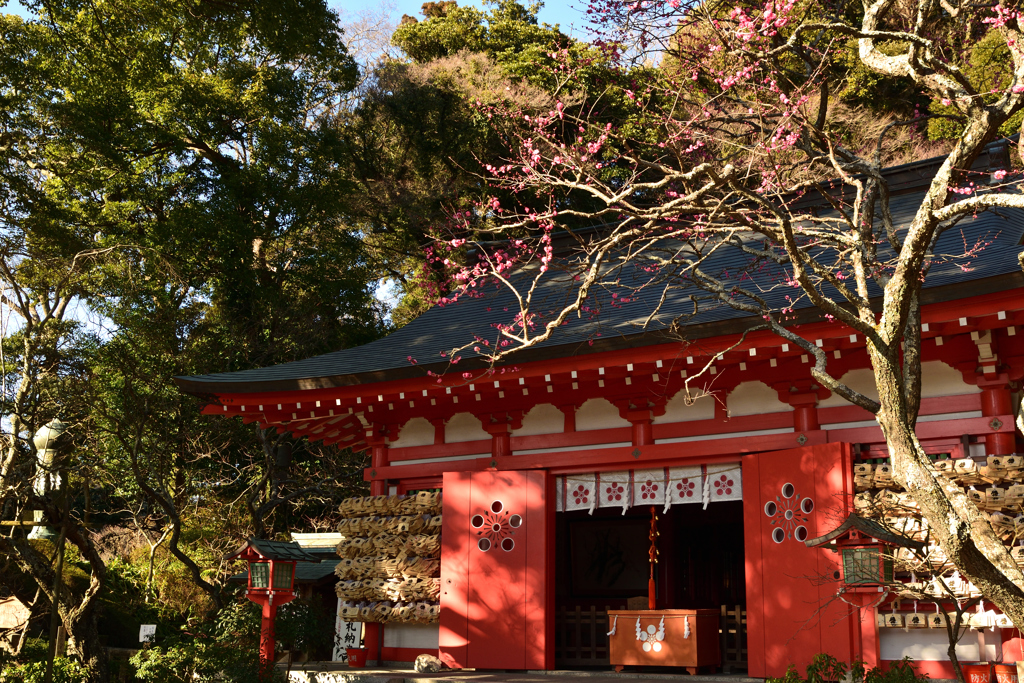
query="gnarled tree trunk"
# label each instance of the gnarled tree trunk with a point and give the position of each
(955, 523)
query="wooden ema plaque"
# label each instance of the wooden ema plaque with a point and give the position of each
(685, 638)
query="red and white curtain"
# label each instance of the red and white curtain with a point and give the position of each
(665, 486)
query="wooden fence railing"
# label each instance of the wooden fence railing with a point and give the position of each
(581, 637)
(732, 628)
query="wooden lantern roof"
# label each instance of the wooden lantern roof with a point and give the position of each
(857, 530)
(256, 549)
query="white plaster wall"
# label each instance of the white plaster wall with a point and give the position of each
(416, 432)
(464, 427)
(598, 413)
(542, 419)
(754, 398)
(862, 380)
(939, 379)
(677, 410)
(931, 645)
(423, 636)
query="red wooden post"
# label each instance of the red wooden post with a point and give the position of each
(995, 400)
(377, 440)
(373, 638)
(653, 554)
(803, 396)
(641, 421)
(805, 415)
(267, 640)
(569, 423)
(500, 438)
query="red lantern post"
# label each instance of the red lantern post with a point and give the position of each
(271, 582)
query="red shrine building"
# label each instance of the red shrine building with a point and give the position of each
(550, 468)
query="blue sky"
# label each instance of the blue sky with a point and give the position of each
(567, 13)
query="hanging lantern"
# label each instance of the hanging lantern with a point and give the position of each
(867, 550)
(868, 565)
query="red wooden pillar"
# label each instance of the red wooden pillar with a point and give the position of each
(864, 631)
(373, 638)
(569, 423)
(996, 400)
(805, 412)
(376, 439)
(500, 439)
(500, 426)
(438, 430)
(641, 421)
(803, 396)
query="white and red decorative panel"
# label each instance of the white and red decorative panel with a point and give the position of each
(614, 490)
(685, 485)
(654, 486)
(649, 487)
(581, 492)
(725, 482)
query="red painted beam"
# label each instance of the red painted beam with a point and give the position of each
(439, 450)
(940, 429)
(929, 406)
(655, 455)
(673, 357)
(743, 423)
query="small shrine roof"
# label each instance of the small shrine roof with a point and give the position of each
(275, 550)
(868, 527)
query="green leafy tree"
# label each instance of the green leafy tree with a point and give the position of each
(224, 650)
(426, 128)
(166, 167)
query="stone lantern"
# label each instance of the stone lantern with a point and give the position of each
(47, 442)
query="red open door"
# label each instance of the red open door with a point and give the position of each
(792, 609)
(497, 570)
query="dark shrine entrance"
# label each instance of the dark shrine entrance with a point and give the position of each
(602, 564)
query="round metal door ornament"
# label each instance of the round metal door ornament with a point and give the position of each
(789, 514)
(495, 527)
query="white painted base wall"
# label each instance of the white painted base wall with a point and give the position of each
(930, 645)
(420, 636)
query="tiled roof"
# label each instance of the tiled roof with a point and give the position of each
(276, 550)
(445, 327)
